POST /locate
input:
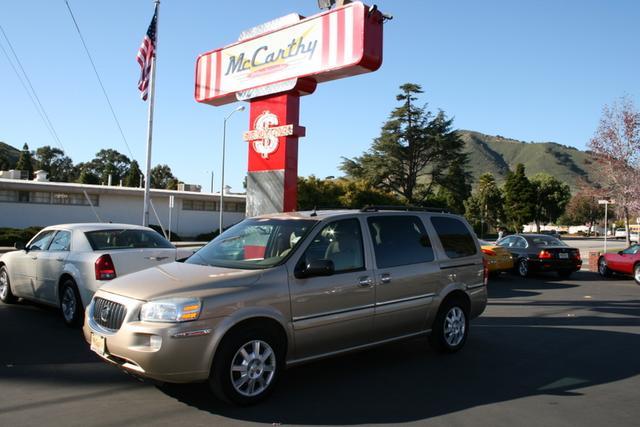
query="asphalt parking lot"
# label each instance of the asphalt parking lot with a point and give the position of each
(546, 352)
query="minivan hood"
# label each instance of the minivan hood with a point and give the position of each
(178, 279)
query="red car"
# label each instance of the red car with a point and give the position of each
(624, 262)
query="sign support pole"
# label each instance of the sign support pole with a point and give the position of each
(272, 177)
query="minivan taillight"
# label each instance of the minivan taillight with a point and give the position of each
(105, 270)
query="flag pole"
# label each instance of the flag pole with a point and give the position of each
(152, 93)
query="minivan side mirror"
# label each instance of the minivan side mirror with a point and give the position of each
(19, 245)
(315, 268)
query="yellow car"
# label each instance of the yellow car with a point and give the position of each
(498, 258)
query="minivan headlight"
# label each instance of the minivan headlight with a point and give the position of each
(171, 310)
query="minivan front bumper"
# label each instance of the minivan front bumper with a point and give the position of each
(169, 352)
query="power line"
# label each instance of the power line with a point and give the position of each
(95, 70)
(26, 89)
(33, 94)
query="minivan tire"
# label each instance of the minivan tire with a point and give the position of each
(451, 326)
(71, 304)
(262, 374)
(6, 296)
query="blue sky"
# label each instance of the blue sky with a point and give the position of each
(531, 70)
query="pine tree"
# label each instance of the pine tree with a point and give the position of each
(133, 176)
(520, 199)
(25, 162)
(413, 153)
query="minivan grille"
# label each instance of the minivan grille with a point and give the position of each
(108, 314)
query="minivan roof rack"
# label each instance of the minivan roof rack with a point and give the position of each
(377, 208)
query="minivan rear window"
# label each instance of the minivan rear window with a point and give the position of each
(101, 240)
(456, 239)
(399, 240)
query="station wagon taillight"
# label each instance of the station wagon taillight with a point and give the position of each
(105, 270)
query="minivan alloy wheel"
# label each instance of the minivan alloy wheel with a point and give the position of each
(69, 305)
(253, 368)
(454, 326)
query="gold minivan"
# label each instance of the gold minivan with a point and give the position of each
(283, 289)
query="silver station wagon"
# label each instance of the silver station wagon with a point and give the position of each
(282, 289)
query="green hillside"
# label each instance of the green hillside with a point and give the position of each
(498, 155)
(8, 156)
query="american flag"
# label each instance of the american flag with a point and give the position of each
(145, 55)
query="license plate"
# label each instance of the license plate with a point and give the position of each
(98, 344)
(564, 256)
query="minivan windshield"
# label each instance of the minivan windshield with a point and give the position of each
(254, 243)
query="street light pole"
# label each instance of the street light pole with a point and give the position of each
(606, 203)
(224, 142)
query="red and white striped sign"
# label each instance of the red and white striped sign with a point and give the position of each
(338, 43)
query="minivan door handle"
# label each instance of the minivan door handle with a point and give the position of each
(365, 281)
(385, 278)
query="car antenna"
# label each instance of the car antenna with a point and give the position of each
(314, 213)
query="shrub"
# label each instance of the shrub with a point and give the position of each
(9, 236)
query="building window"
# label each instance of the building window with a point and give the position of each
(199, 205)
(40, 197)
(46, 197)
(8, 196)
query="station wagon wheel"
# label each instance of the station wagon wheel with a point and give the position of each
(71, 304)
(523, 268)
(6, 296)
(451, 326)
(603, 269)
(247, 366)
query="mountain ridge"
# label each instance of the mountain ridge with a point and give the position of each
(499, 155)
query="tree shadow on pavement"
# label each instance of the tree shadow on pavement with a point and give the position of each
(407, 381)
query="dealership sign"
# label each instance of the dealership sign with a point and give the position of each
(272, 66)
(338, 43)
(266, 132)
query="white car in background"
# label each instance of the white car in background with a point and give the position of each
(64, 265)
(634, 236)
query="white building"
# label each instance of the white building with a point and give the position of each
(41, 203)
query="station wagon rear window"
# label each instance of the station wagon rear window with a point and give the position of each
(101, 240)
